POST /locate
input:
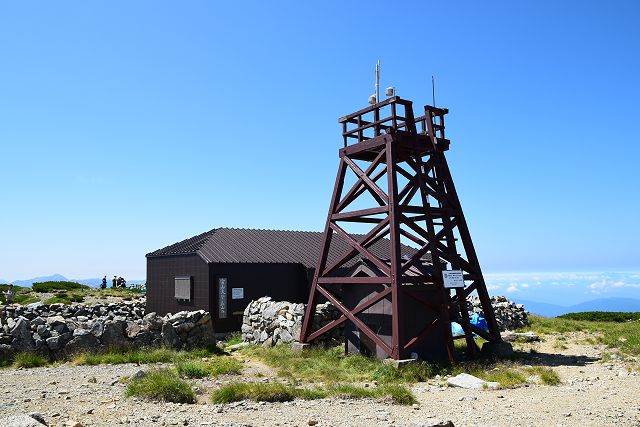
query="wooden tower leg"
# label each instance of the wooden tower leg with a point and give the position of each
(478, 279)
(433, 240)
(397, 337)
(322, 259)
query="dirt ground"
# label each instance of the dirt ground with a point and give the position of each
(592, 393)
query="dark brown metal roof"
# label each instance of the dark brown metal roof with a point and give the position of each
(241, 245)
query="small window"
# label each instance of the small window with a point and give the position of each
(183, 288)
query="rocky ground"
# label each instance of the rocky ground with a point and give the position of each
(592, 393)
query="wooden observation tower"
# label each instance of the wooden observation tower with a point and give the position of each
(401, 195)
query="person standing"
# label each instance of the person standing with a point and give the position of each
(9, 294)
(103, 285)
(114, 282)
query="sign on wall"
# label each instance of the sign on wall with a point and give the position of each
(237, 293)
(222, 298)
(453, 278)
(183, 288)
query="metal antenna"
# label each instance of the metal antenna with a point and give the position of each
(433, 90)
(378, 82)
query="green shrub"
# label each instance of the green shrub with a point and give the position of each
(277, 392)
(192, 369)
(506, 376)
(547, 375)
(64, 298)
(399, 394)
(57, 286)
(29, 360)
(550, 377)
(161, 385)
(142, 356)
(261, 392)
(224, 365)
(602, 316)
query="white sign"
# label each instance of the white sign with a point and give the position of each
(453, 279)
(222, 298)
(237, 293)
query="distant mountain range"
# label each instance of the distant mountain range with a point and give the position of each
(602, 304)
(94, 282)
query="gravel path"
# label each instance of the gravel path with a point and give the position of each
(591, 394)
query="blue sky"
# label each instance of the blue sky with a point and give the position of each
(126, 126)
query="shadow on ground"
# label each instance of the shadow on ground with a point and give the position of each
(555, 359)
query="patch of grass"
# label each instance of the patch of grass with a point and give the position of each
(115, 292)
(504, 375)
(65, 293)
(192, 369)
(399, 394)
(316, 364)
(235, 338)
(277, 392)
(159, 355)
(65, 298)
(29, 360)
(161, 385)
(512, 374)
(224, 365)
(57, 286)
(24, 299)
(215, 366)
(331, 365)
(602, 316)
(624, 336)
(141, 356)
(547, 375)
(413, 372)
(262, 392)
(560, 346)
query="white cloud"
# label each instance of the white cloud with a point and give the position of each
(604, 285)
(550, 286)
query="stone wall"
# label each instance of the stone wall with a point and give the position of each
(270, 322)
(509, 315)
(56, 330)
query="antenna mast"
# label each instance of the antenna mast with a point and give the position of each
(378, 82)
(433, 90)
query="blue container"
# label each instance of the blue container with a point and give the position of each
(479, 321)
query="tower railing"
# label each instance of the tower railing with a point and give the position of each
(393, 113)
(389, 115)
